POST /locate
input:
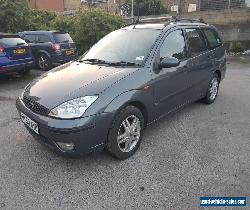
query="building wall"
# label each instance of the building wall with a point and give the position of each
(183, 4)
(49, 5)
(220, 4)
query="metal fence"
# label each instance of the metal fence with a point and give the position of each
(181, 6)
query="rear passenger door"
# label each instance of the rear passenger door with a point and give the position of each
(202, 63)
(216, 48)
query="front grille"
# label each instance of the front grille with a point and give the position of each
(34, 106)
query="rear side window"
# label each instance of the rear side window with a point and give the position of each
(12, 41)
(174, 46)
(42, 38)
(62, 37)
(196, 41)
(212, 38)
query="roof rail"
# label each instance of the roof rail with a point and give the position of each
(178, 19)
(166, 19)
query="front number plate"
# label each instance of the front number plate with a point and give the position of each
(29, 122)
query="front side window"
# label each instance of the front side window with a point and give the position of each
(212, 38)
(127, 45)
(174, 46)
(31, 38)
(196, 41)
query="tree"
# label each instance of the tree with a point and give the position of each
(14, 15)
(91, 25)
(145, 7)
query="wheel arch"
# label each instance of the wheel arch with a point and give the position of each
(219, 74)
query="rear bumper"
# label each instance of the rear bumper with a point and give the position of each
(57, 58)
(87, 134)
(17, 67)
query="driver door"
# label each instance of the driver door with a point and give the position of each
(170, 84)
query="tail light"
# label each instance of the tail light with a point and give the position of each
(1, 49)
(2, 69)
(56, 47)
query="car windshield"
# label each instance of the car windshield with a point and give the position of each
(12, 41)
(62, 37)
(123, 46)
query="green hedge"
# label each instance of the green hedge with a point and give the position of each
(86, 26)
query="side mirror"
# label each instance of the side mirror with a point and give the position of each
(169, 62)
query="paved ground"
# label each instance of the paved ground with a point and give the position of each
(200, 151)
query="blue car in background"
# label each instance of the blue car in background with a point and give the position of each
(50, 48)
(15, 54)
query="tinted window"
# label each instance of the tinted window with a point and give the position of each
(59, 37)
(12, 41)
(174, 46)
(196, 41)
(30, 38)
(132, 45)
(212, 37)
(43, 38)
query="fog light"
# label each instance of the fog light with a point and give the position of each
(66, 146)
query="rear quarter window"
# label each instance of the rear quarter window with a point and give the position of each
(212, 38)
(62, 37)
(12, 41)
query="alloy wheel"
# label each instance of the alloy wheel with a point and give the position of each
(214, 86)
(129, 133)
(43, 62)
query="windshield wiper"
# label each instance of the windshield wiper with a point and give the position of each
(124, 63)
(94, 60)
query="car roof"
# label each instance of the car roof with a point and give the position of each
(7, 35)
(41, 32)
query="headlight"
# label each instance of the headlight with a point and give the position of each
(73, 108)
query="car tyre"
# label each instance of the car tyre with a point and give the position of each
(44, 62)
(125, 134)
(213, 89)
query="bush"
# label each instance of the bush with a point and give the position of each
(86, 26)
(92, 25)
(14, 16)
(237, 47)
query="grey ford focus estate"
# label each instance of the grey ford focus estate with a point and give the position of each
(129, 79)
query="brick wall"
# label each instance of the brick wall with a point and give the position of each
(223, 17)
(49, 5)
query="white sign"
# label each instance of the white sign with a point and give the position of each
(191, 7)
(175, 8)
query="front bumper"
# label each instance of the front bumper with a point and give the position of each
(88, 134)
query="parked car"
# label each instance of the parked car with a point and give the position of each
(247, 52)
(50, 47)
(15, 54)
(126, 81)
